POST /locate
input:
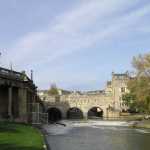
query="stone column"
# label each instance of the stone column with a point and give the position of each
(64, 114)
(85, 115)
(10, 102)
(23, 104)
(105, 112)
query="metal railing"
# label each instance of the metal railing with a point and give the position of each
(36, 114)
(39, 118)
(11, 74)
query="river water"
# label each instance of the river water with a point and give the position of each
(97, 135)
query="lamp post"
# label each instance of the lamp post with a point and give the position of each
(0, 57)
(32, 75)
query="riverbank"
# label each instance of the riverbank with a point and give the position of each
(16, 136)
(142, 124)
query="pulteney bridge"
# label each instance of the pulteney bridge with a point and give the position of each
(106, 103)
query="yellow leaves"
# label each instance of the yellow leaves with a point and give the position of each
(140, 85)
(142, 64)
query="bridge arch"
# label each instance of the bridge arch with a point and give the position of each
(74, 113)
(54, 114)
(95, 112)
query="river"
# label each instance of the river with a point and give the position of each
(97, 135)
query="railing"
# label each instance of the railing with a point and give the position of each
(36, 115)
(39, 118)
(6, 73)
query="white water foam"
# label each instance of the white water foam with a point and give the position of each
(57, 129)
(102, 123)
(142, 131)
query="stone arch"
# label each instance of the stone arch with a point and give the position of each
(74, 113)
(54, 114)
(95, 112)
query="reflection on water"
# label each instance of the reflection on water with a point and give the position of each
(97, 137)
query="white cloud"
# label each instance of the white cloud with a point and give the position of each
(75, 30)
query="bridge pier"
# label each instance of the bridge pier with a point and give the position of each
(105, 113)
(22, 96)
(17, 91)
(85, 115)
(10, 103)
(3, 102)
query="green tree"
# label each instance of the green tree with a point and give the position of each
(53, 90)
(128, 99)
(139, 86)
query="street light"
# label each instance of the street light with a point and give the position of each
(0, 57)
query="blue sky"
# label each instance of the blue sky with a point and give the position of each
(76, 44)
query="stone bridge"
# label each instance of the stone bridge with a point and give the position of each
(105, 103)
(16, 92)
(79, 106)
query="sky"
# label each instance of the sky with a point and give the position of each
(73, 43)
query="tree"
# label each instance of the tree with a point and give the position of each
(141, 64)
(53, 90)
(128, 99)
(139, 86)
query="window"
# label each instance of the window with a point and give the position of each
(123, 89)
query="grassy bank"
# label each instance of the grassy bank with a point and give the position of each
(19, 137)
